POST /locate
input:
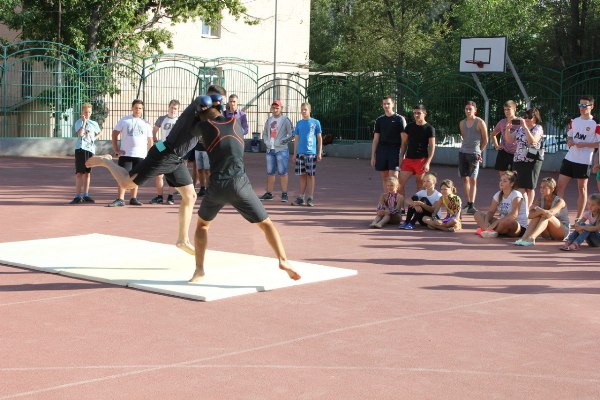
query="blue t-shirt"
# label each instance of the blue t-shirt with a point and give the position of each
(307, 131)
(87, 141)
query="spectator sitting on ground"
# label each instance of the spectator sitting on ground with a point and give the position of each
(549, 217)
(421, 203)
(452, 203)
(388, 208)
(589, 232)
(511, 206)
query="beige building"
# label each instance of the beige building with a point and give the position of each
(254, 43)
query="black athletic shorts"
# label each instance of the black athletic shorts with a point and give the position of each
(81, 156)
(158, 163)
(574, 170)
(387, 158)
(504, 161)
(235, 191)
(129, 163)
(190, 156)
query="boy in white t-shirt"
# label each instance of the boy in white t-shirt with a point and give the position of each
(582, 138)
(164, 124)
(136, 138)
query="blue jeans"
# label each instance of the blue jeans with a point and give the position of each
(277, 162)
(592, 238)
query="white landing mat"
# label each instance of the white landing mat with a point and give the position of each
(158, 267)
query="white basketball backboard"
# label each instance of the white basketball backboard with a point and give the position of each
(483, 54)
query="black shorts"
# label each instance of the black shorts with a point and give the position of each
(159, 163)
(387, 158)
(504, 161)
(528, 174)
(235, 191)
(190, 156)
(129, 163)
(81, 156)
(468, 165)
(574, 170)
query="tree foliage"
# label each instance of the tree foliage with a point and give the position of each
(352, 35)
(88, 25)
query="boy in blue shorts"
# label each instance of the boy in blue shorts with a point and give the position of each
(308, 147)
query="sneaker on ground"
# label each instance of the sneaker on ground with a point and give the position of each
(402, 225)
(117, 203)
(490, 233)
(409, 227)
(478, 231)
(284, 197)
(170, 200)
(471, 210)
(311, 203)
(157, 200)
(298, 202)
(266, 196)
(134, 202)
(88, 199)
(76, 200)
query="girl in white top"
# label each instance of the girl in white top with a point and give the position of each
(548, 217)
(511, 206)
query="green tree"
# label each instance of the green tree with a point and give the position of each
(88, 25)
(356, 35)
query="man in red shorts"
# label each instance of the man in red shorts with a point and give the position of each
(417, 149)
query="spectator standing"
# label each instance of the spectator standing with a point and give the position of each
(417, 149)
(233, 111)
(164, 124)
(473, 131)
(506, 150)
(387, 139)
(583, 137)
(136, 138)
(277, 133)
(308, 147)
(86, 131)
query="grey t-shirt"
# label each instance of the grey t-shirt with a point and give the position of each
(471, 143)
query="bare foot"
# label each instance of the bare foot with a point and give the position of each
(187, 247)
(98, 160)
(198, 275)
(284, 265)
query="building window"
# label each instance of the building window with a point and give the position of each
(209, 31)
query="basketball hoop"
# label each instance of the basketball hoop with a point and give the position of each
(477, 62)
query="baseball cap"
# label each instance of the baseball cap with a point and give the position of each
(276, 103)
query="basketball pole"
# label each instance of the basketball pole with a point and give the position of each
(486, 112)
(518, 79)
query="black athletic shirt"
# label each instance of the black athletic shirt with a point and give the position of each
(223, 139)
(390, 129)
(418, 140)
(183, 137)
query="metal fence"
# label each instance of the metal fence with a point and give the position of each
(43, 84)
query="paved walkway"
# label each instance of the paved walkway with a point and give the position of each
(430, 315)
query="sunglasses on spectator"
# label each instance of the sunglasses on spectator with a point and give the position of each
(584, 105)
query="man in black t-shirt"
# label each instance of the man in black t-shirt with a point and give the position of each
(385, 150)
(418, 147)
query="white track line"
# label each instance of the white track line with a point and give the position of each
(295, 340)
